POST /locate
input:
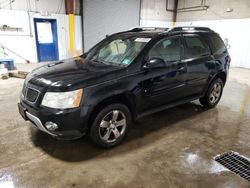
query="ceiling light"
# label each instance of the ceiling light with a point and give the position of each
(229, 10)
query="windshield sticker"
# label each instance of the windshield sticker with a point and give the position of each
(142, 39)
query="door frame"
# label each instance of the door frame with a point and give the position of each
(54, 34)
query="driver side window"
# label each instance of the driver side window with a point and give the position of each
(167, 49)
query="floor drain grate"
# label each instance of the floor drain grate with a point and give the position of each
(236, 163)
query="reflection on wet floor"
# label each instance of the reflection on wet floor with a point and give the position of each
(195, 164)
(173, 148)
(6, 181)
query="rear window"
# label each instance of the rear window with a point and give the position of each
(194, 47)
(216, 43)
(167, 49)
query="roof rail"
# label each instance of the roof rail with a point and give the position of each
(138, 29)
(190, 28)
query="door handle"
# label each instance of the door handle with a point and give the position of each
(180, 69)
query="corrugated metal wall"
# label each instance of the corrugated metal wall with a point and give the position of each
(107, 17)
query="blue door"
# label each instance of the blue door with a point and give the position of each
(46, 39)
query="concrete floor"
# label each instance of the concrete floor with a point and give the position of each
(173, 148)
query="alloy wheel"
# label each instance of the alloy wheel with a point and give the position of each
(215, 93)
(112, 126)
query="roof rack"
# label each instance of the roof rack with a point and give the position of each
(190, 28)
(138, 29)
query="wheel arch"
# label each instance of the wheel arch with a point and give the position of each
(221, 75)
(126, 99)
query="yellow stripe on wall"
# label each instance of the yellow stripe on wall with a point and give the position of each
(71, 31)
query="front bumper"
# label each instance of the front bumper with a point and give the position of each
(72, 123)
(38, 123)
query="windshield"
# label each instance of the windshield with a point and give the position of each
(117, 51)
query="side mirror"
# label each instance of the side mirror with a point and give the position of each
(154, 63)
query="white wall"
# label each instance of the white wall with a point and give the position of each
(156, 23)
(236, 31)
(23, 43)
(233, 25)
(51, 6)
(216, 11)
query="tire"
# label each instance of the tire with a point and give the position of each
(213, 94)
(110, 126)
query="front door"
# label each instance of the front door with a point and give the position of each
(165, 85)
(46, 39)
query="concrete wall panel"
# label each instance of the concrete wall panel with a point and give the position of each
(216, 11)
(51, 6)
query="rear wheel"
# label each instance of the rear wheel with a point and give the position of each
(110, 125)
(213, 95)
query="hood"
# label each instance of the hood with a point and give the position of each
(71, 73)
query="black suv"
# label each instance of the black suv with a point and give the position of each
(124, 77)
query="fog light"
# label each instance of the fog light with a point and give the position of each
(51, 126)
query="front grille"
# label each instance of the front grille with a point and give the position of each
(236, 163)
(31, 95)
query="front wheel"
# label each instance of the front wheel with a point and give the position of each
(213, 95)
(110, 125)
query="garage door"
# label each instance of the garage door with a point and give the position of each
(106, 17)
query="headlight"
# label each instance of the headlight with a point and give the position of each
(62, 100)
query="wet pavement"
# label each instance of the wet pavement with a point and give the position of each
(173, 148)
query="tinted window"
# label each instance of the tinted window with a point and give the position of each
(194, 47)
(166, 49)
(217, 44)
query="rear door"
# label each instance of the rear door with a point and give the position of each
(199, 62)
(166, 84)
(219, 51)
